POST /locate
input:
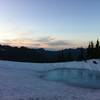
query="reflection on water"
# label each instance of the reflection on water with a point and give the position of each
(73, 76)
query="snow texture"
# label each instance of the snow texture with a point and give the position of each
(21, 81)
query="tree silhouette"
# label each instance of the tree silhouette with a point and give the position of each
(89, 51)
(97, 48)
(93, 51)
(81, 54)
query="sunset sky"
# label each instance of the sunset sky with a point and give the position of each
(51, 24)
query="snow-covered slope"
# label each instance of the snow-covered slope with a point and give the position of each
(20, 81)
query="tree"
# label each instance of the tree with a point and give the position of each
(81, 55)
(90, 50)
(97, 49)
(62, 55)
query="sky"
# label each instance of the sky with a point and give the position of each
(50, 24)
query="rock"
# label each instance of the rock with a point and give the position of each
(95, 62)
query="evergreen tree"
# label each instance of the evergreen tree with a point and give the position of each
(81, 55)
(91, 45)
(97, 49)
(90, 50)
(97, 44)
(60, 56)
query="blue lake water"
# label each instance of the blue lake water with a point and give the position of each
(75, 76)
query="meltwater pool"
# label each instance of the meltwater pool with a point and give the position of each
(75, 76)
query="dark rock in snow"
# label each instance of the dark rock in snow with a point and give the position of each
(95, 62)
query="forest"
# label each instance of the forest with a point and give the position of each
(40, 55)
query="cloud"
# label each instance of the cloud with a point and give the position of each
(24, 42)
(18, 42)
(59, 43)
(45, 39)
(48, 42)
(54, 42)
